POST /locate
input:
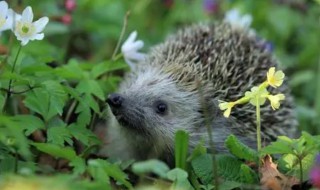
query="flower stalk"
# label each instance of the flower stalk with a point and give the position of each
(257, 96)
(9, 92)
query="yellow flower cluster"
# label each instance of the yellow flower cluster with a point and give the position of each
(259, 94)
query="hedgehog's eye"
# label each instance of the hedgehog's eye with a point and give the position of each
(161, 107)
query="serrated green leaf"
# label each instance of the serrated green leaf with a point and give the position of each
(181, 148)
(58, 96)
(70, 71)
(29, 122)
(229, 167)
(247, 175)
(82, 134)
(38, 100)
(111, 170)
(91, 87)
(240, 150)
(179, 178)
(59, 135)
(151, 166)
(203, 168)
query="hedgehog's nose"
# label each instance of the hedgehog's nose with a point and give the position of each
(115, 100)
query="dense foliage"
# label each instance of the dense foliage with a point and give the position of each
(53, 91)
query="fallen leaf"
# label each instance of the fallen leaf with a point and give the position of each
(272, 179)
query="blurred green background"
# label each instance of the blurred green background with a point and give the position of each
(88, 30)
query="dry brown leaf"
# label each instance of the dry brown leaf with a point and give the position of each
(3, 50)
(272, 179)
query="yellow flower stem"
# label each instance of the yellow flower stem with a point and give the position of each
(258, 124)
(242, 100)
(263, 85)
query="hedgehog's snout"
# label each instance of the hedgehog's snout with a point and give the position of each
(115, 100)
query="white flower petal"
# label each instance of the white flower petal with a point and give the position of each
(137, 56)
(3, 9)
(130, 63)
(246, 21)
(37, 37)
(237, 20)
(41, 23)
(132, 37)
(137, 45)
(27, 15)
(24, 41)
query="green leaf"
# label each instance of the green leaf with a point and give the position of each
(240, 150)
(151, 166)
(247, 175)
(29, 122)
(58, 135)
(107, 66)
(82, 134)
(229, 185)
(58, 96)
(111, 170)
(179, 178)
(283, 145)
(70, 71)
(56, 151)
(38, 100)
(91, 87)
(203, 168)
(181, 148)
(2, 100)
(229, 168)
(200, 149)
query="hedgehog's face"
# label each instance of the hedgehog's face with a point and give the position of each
(151, 103)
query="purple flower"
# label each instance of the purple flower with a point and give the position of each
(315, 173)
(210, 6)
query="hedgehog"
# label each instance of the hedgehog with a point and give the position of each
(178, 87)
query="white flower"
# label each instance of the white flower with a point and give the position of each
(6, 16)
(26, 30)
(130, 50)
(238, 21)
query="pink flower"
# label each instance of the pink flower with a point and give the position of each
(70, 5)
(66, 19)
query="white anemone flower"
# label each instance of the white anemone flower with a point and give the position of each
(237, 20)
(130, 50)
(26, 30)
(6, 16)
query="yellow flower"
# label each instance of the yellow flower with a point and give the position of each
(275, 100)
(257, 93)
(227, 106)
(275, 79)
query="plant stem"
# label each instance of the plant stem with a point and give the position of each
(301, 171)
(10, 81)
(211, 143)
(258, 125)
(125, 20)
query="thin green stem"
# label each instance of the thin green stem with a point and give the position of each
(125, 20)
(10, 81)
(118, 56)
(210, 138)
(301, 171)
(258, 125)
